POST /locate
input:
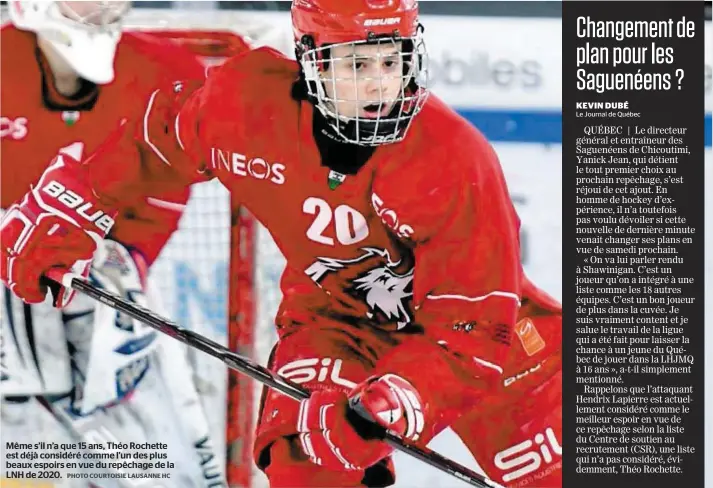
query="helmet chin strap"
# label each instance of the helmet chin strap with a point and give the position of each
(326, 128)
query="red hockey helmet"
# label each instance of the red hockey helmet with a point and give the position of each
(337, 21)
(324, 27)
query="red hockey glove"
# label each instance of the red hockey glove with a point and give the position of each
(56, 225)
(334, 432)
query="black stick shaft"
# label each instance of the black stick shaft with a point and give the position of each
(259, 373)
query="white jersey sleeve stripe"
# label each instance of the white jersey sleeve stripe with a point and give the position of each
(505, 294)
(146, 129)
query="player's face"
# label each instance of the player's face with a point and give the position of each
(94, 13)
(365, 80)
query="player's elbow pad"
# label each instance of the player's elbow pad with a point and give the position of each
(145, 156)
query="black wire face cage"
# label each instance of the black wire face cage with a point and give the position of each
(401, 94)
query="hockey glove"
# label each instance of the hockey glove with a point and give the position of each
(57, 224)
(337, 431)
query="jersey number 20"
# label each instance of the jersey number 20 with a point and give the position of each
(350, 226)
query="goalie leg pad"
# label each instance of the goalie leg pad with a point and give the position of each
(34, 359)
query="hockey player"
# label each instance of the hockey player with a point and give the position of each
(404, 296)
(69, 76)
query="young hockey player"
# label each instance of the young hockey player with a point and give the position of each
(69, 75)
(404, 297)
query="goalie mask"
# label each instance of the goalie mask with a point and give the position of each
(364, 64)
(84, 33)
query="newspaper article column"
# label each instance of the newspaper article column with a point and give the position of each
(633, 154)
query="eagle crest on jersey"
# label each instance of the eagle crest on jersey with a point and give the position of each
(382, 288)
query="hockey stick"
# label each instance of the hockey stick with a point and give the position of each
(255, 371)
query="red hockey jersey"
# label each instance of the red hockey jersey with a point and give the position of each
(36, 121)
(422, 240)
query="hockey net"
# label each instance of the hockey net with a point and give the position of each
(194, 275)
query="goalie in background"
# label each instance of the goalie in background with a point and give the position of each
(69, 75)
(404, 297)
